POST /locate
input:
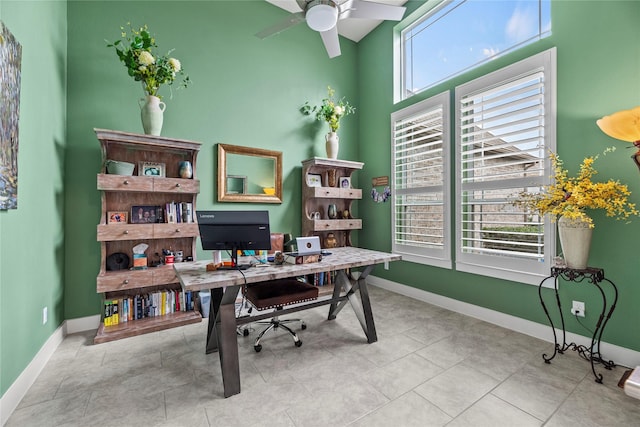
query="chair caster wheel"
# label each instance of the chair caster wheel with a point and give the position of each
(304, 326)
(245, 332)
(257, 348)
(298, 343)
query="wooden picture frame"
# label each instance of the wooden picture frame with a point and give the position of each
(314, 180)
(260, 169)
(116, 217)
(151, 169)
(141, 214)
(345, 182)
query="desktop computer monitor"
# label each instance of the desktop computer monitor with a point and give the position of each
(233, 231)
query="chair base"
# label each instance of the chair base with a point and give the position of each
(276, 323)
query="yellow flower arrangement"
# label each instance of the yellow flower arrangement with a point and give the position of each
(570, 196)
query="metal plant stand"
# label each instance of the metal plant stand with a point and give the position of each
(594, 276)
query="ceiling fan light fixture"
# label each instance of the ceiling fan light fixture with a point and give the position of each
(322, 15)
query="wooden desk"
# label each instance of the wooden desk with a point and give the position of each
(224, 286)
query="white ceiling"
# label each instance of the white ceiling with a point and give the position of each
(353, 29)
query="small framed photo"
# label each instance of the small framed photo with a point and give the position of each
(345, 182)
(151, 169)
(314, 180)
(116, 217)
(146, 214)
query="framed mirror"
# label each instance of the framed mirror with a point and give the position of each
(251, 175)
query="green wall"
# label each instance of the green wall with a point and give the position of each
(32, 236)
(598, 57)
(244, 91)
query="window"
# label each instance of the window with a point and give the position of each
(448, 37)
(421, 145)
(505, 127)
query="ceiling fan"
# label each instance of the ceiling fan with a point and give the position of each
(323, 15)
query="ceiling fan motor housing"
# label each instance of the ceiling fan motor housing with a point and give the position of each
(321, 15)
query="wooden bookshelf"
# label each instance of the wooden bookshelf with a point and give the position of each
(118, 194)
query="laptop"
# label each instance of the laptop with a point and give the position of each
(307, 246)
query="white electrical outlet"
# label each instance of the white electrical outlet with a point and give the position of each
(45, 315)
(578, 308)
(386, 265)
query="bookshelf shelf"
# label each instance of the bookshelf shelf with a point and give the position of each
(145, 326)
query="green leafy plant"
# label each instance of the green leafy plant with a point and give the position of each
(331, 111)
(136, 50)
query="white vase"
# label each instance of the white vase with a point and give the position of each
(152, 114)
(333, 145)
(575, 239)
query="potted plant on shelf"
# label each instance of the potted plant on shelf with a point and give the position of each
(331, 111)
(136, 50)
(567, 200)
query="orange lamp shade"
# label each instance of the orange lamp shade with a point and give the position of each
(623, 125)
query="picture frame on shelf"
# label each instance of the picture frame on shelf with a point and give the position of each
(116, 217)
(345, 182)
(151, 169)
(314, 180)
(236, 184)
(141, 214)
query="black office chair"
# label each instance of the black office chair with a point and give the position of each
(278, 294)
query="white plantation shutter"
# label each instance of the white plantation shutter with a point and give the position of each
(420, 181)
(505, 127)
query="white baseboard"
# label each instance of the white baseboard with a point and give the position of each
(21, 385)
(82, 324)
(620, 355)
(10, 400)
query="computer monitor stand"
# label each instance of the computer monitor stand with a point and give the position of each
(234, 262)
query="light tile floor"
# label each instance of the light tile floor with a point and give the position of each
(430, 367)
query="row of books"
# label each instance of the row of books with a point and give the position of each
(179, 212)
(152, 304)
(322, 278)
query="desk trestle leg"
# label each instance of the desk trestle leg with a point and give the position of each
(362, 307)
(222, 337)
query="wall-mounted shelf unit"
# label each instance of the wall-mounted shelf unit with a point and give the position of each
(318, 193)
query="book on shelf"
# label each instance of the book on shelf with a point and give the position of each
(323, 278)
(179, 212)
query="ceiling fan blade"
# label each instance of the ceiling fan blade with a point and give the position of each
(290, 21)
(331, 41)
(361, 9)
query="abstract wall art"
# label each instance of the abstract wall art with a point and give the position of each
(10, 62)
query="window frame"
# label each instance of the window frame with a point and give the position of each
(516, 270)
(423, 13)
(428, 256)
